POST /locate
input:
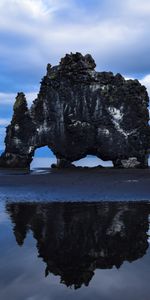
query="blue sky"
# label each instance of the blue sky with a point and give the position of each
(35, 32)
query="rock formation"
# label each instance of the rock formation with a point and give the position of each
(75, 239)
(78, 112)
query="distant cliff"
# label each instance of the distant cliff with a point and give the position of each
(78, 112)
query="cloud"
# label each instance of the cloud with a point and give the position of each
(22, 50)
(146, 81)
(4, 121)
(138, 7)
(35, 32)
(2, 136)
(9, 98)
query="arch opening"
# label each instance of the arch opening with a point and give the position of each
(43, 158)
(92, 161)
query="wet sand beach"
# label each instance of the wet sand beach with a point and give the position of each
(75, 185)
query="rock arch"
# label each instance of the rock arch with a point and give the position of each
(78, 112)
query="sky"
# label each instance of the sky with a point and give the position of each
(36, 32)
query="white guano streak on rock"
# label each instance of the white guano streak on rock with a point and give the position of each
(43, 128)
(61, 121)
(116, 113)
(103, 131)
(16, 127)
(45, 110)
(117, 225)
(97, 105)
(132, 162)
(76, 123)
(16, 141)
(117, 116)
(31, 148)
(95, 87)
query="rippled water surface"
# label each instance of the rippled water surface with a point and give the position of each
(74, 250)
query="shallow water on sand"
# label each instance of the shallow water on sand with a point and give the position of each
(59, 241)
(74, 250)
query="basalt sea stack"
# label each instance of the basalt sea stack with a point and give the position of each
(79, 111)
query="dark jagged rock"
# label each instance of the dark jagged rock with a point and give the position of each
(75, 239)
(18, 135)
(78, 112)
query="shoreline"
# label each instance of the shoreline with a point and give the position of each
(71, 185)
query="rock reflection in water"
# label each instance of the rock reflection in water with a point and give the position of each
(74, 239)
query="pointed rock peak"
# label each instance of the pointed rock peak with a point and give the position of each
(20, 103)
(77, 62)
